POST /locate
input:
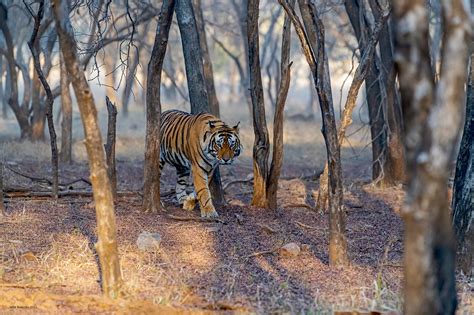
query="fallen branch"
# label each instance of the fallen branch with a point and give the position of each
(299, 205)
(195, 219)
(45, 180)
(69, 193)
(306, 226)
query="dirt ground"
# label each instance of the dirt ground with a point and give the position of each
(48, 262)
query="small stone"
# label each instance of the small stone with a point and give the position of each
(290, 250)
(240, 218)
(147, 241)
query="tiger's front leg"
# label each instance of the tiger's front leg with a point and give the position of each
(201, 187)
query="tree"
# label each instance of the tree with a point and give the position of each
(318, 63)
(198, 94)
(388, 158)
(66, 110)
(463, 188)
(432, 116)
(151, 186)
(106, 227)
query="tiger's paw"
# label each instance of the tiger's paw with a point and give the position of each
(189, 203)
(209, 214)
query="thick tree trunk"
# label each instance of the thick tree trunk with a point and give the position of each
(463, 188)
(207, 64)
(198, 94)
(151, 186)
(277, 153)
(432, 119)
(319, 69)
(38, 118)
(261, 144)
(66, 109)
(106, 227)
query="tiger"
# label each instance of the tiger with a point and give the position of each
(197, 144)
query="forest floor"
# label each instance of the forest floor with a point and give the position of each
(48, 263)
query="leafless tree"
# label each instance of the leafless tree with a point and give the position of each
(106, 226)
(432, 115)
(66, 110)
(318, 63)
(151, 186)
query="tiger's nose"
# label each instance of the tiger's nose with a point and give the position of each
(226, 159)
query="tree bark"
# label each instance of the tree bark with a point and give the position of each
(463, 188)
(33, 44)
(66, 109)
(432, 118)
(277, 153)
(110, 145)
(151, 186)
(198, 94)
(2, 205)
(106, 226)
(320, 70)
(207, 64)
(261, 144)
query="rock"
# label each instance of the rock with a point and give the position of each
(147, 241)
(240, 218)
(290, 250)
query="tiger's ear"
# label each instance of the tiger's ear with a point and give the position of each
(236, 127)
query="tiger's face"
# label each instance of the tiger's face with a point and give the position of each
(224, 144)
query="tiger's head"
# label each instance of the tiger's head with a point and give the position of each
(224, 144)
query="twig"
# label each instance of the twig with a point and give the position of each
(267, 228)
(306, 226)
(195, 219)
(299, 205)
(265, 252)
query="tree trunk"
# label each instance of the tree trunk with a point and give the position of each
(2, 205)
(106, 227)
(207, 64)
(463, 188)
(277, 153)
(132, 63)
(66, 109)
(198, 94)
(151, 186)
(261, 144)
(38, 118)
(33, 44)
(360, 75)
(377, 115)
(320, 70)
(110, 145)
(394, 169)
(432, 119)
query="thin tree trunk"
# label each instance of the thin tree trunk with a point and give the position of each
(378, 128)
(151, 186)
(106, 227)
(277, 153)
(2, 205)
(360, 75)
(463, 188)
(198, 94)
(33, 44)
(207, 64)
(261, 144)
(110, 145)
(432, 119)
(132, 63)
(66, 110)
(320, 70)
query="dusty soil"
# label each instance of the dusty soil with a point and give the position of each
(48, 261)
